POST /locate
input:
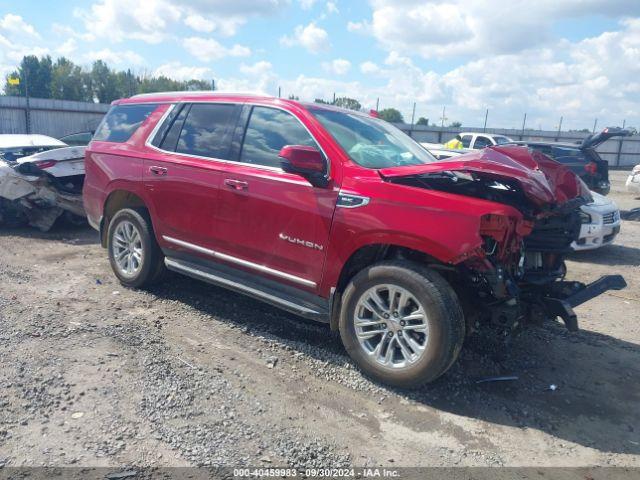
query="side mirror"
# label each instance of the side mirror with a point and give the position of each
(305, 161)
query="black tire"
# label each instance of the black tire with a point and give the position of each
(152, 268)
(446, 327)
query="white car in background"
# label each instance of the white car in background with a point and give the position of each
(633, 182)
(15, 146)
(600, 223)
(477, 141)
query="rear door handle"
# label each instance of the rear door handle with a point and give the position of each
(161, 171)
(236, 184)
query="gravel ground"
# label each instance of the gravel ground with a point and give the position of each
(94, 374)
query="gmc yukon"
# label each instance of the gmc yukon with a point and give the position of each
(339, 217)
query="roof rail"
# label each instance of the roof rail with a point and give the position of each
(197, 92)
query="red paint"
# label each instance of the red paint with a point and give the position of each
(243, 211)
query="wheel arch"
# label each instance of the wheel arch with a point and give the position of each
(117, 200)
(370, 254)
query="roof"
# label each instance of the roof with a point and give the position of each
(208, 95)
(485, 134)
(203, 95)
(28, 140)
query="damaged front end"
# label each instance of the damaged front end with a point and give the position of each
(36, 199)
(517, 275)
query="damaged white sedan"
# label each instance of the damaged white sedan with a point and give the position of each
(40, 188)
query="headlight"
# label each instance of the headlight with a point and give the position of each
(585, 217)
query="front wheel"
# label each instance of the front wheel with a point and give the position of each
(135, 257)
(401, 323)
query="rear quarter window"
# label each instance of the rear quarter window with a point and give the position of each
(122, 121)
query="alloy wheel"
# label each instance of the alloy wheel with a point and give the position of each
(391, 326)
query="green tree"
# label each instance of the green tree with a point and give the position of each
(293, 97)
(68, 81)
(423, 121)
(346, 102)
(455, 124)
(36, 73)
(391, 115)
(104, 83)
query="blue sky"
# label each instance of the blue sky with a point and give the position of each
(579, 59)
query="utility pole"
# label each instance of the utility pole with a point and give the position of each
(486, 115)
(624, 122)
(443, 117)
(377, 103)
(559, 129)
(524, 122)
(27, 112)
(334, 98)
(279, 91)
(413, 117)
(595, 122)
(213, 85)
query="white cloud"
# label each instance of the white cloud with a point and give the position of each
(311, 37)
(16, 28)
(369, 67)
(178, 71)
(153, 21)
(339, 66)
(126, 57)
(478, 27)
(331, 7)
(209, 50)
(67, 48)
(306, 4)
(200, 23)
(259, 68)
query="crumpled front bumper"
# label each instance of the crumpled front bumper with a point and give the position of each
(568, 295)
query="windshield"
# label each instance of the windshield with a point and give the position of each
(14, 153)
(500, 140)
(370, 142)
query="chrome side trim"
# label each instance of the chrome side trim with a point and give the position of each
(239, 261)
(178, 266)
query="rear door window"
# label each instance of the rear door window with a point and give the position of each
(568, 155)
(268, 131)
(207, 130)
(122, 121)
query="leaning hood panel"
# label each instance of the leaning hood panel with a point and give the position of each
(544, 181)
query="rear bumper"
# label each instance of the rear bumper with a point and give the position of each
(571, 294)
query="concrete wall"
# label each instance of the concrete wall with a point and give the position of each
(621, 152)
(49, 117)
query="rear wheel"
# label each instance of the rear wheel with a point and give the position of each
(401, 323)
(135, 257)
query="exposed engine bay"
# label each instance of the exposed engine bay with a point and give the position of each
(518, 275)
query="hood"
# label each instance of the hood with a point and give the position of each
(544, 182)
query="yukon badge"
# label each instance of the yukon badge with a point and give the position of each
(298, 241)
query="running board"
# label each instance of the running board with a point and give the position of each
(243, 283)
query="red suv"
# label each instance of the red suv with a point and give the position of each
(339, 217)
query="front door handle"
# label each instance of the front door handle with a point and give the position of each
(160, 171)
(236, 184)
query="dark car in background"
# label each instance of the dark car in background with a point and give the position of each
(582, 158)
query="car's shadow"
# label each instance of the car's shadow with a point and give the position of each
(578, 387)
(614, 255)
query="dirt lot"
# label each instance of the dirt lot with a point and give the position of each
(94, 374)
